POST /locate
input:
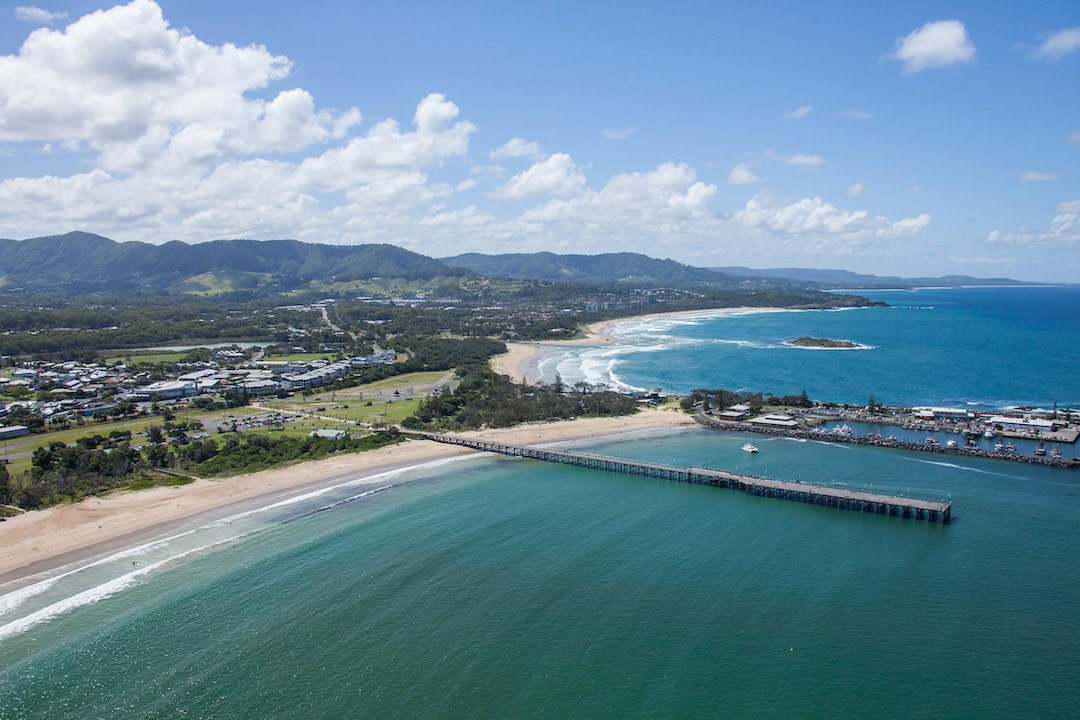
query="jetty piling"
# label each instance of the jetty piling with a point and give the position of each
(928, 510)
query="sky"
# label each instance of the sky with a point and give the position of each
(916, 138)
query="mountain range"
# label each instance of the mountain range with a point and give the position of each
(80, 262)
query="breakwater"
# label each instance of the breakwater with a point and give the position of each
(959, 451)
(839, 498)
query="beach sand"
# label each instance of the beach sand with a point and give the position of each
(43, 540)
(519, 360)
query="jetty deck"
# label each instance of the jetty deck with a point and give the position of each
(842, 499)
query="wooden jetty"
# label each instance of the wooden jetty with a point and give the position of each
(754, 485)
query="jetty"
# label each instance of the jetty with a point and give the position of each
(842, 499)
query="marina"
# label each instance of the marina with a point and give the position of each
(917, 439)
(931, 511)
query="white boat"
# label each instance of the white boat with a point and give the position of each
(989, 433)
(750, 448)
(951, 443)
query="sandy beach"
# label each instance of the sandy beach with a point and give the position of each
(43, 540)
(519, 360)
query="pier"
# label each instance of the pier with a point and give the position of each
(894, 505)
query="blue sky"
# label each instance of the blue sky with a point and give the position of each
(907, 138)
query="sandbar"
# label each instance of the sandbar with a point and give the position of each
(44, 540)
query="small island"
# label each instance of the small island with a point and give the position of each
(810, 342)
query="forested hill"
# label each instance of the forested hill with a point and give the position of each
(604, 268)
(82, 262)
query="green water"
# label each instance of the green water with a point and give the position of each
(509, 588)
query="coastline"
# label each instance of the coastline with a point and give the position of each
(40, 541)
(520, 359)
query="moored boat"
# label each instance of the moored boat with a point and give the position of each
(750, 448)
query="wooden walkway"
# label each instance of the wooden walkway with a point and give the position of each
(928, 510)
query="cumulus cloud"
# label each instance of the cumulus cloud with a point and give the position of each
(1058, 45)
(1037, 176)
(857, 189)
(743, 174)
(935, 44)
(671, 192)
(618, 134)
(38, 16)
(1064, 229)
(814, 216)
(856, 114)
(518, 147)
(128, 86)
(557, 175)
(798, 113)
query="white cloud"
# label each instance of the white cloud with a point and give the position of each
(618, 134)
(856, 114)
(913, 188)
(518, 147)
(815, 217)
(803, 160)
(557, 175)
(37, 15)
(668, 194)
(935, 44)
(1074, 137)
(743, 174)
(857, 189)
(798, 113)
(1037, 176)
(124, 84)
(1064, 229)
(1059, 44)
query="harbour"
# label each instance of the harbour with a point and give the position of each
(844, 434)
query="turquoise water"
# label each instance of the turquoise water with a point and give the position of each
(497, 587)
(971, 347)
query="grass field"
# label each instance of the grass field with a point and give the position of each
(144, 357)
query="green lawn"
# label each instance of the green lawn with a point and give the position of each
(392, 411)
(138, 357)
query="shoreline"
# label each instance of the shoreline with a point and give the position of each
(519, 360)
(42, 541)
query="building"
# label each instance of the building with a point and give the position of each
(13, 431)
(775, 420)
(939, 413)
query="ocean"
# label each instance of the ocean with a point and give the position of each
(501, 587)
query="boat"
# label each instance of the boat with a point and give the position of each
(1040, 450)
(951, 443)
(1055, 452)
(999, 446)
(932, 442)
(989, 433)
(1009, 447)
(750, 448)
